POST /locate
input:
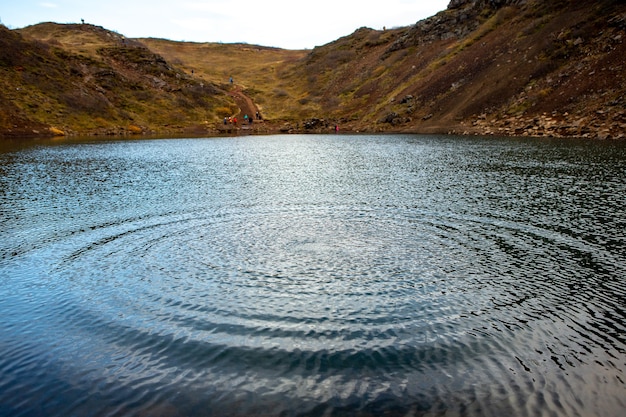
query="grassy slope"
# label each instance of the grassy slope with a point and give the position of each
(476, 69)
(83, 78)
(554, 68)
(19, 101)
(511, 70)
(258, 70)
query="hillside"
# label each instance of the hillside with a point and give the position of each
(257, 70)
(85, 79)
(505, 67)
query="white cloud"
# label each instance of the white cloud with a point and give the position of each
(49, 5)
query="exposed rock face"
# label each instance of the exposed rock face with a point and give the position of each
(454, 25)
(440, 27)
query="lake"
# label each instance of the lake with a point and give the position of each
(308, 275)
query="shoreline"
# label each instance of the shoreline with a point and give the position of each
(196, 133)
(593, 127)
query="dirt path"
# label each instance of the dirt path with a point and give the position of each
(245, 104)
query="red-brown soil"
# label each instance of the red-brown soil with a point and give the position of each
(504, 67)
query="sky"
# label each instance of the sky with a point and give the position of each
(278, 23)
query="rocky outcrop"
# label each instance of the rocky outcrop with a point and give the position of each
(457, 22)
(443, 26)
(598, 125)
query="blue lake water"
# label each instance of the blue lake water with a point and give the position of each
(313, 275)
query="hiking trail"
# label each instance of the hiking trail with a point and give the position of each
(245, 104)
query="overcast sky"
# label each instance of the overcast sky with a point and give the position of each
(284, 24)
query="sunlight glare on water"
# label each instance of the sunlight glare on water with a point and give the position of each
(313, 275)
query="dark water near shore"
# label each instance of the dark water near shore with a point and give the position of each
(313, 275)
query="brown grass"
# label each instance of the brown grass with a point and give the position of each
(260, 71)
(459, 65)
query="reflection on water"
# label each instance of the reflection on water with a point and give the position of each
(313, 275)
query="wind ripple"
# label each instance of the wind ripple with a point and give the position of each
(322, 305)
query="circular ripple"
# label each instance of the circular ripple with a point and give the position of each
(318, 277)
(303, 291)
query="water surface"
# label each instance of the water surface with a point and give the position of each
(313, 275)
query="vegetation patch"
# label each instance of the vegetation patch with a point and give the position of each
(477, 62)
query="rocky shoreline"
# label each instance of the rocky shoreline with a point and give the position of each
(601, 125)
